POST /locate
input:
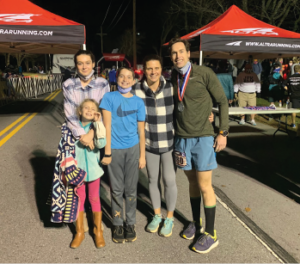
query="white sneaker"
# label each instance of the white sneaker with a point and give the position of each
(272, 105)
(242, 122)
(252, 122)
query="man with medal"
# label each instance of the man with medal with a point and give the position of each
(195, 145)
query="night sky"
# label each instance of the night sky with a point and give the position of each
(91, 13)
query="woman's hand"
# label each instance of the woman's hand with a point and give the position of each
(106, 160)
(97, 116)
(142, 162)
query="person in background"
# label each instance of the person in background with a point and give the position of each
(112, 78)
(247, 85)
(295, 62)
(275, 89)
(293, 86)
(257, 69)
(227, 83)
(234, 72)
(20, 70)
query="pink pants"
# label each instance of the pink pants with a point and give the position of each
(94, 195)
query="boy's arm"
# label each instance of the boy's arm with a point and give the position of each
(142, 159)
(107, 123)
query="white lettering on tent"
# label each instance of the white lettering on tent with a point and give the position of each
(253, 31)
(236, 43)
(26, 32)
(18, 18)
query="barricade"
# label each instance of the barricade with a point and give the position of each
(26, 87)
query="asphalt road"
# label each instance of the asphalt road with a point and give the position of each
(257, 186)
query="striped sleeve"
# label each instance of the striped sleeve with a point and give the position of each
(70, 113)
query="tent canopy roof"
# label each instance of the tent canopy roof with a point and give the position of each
(23, 12)
(28, 28)
(236, 35)
(235, 22)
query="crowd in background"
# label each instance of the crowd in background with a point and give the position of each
(275, 79)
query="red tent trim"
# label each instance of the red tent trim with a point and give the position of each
(24, 22)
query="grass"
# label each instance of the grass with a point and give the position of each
(272, 122)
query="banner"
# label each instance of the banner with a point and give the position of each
(63, 62)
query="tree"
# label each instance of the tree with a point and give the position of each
(126, 43)
(7, 58)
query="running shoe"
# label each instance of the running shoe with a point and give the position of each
(166, 230)
(190, 231)
(130, 234)
(153, 226)
(252, 122)
(205, 243)
(242, 122)
(118, 234)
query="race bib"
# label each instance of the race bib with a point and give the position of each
(180, 158)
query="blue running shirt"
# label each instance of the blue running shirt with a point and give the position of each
(125, 114)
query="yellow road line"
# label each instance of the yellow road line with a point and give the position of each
(13, 124)
(56, 93)
(6, 138)
(2, 141)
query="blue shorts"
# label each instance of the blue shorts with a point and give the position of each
(200, 154)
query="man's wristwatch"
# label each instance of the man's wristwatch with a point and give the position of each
(224, 133)
(107, 156)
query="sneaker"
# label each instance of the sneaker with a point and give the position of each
(293, 125)
(273, 106)
(166, 230)
(130, 234)
(206, 243)
(118, 234)
(190, 231)
(252, 122)
(153, 226)
(242, 122)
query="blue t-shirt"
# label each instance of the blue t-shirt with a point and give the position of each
(125, 114)
(112, 76)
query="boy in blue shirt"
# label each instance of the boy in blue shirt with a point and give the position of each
(124, 119)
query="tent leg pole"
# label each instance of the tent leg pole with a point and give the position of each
(83, 47)
(200, 58)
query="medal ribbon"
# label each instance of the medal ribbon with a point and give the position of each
(181, 90)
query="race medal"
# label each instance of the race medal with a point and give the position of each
(181, 89)
(180, 107)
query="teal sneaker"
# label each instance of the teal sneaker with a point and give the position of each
(166, 230)
(153, 226)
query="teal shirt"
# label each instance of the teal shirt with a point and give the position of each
(227, 84)
(89, 160)
(275, 87)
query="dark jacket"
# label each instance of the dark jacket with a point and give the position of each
(293, 83)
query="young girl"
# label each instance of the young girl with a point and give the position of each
(88, 160)
(124, 119)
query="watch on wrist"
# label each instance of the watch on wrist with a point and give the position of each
(107, 156)
(224, 133)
